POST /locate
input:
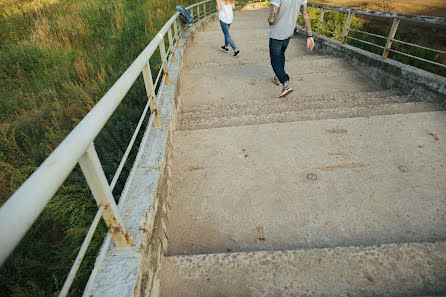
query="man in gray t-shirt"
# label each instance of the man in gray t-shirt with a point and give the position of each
(282, 19)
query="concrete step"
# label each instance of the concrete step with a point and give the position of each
(410, 269)
(215, 84)
(241, 23)
(251, 51)
(304, 112)
(291, 102)
(253, 35)
(257, 12)
(307, 184)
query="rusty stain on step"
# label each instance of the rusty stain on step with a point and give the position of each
(337, 131)
(436, 138)
(341, 166)
(194, 167)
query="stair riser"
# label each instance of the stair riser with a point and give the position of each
(389, 270)
(277, 107)
(306, 115)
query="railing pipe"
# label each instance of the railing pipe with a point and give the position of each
(80, 256)
(321, 20)
(19, 212)
(392, 33)
(94, 174)
(347, 28)
(401, 16)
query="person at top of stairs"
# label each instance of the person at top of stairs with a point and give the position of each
(282, 20)
(226, 16)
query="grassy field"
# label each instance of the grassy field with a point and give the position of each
(57, 59)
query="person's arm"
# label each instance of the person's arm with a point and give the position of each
(218, 5)
(307, 24)
(233, 5)
(273, 10)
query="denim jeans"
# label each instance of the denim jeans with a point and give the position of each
(277, 50)
(228, 39)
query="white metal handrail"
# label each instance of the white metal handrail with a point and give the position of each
(21, 210)
(389, 39)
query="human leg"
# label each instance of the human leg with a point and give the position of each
(282, 52)
(228, 39)
(277, 62)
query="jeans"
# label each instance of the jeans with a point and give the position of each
(228, 39)
(277, 50)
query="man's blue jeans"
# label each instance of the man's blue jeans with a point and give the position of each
(277, 50)
(228, 39)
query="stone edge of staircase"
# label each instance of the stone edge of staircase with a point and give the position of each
(306, 115)
(388, 73)
(347, 271)
(136, 271)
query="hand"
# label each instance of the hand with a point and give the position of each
(310, 43)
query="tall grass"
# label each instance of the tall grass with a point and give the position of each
(57, 59)
(381, 26)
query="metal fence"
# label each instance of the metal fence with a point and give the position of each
(389, 39)
(23, 208)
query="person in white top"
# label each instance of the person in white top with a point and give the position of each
(226, 16)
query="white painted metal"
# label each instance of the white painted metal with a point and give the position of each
(92, 169)
(130, 146)
(390, 38)
(80, 256)
(321, 20)
(347, 27)
(24, 206)
(392, 33)
(103, 251)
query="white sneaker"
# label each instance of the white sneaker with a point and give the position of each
(287, 89)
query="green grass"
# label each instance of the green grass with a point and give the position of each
(57, 59)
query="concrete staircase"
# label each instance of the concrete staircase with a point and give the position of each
(337, 190)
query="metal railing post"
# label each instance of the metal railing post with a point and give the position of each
(169, 36)
(347, 28)
(198, 12)
(148, 82)
(175, 32)
(164, 60)
(92, 169)
(204, 9)
(392, 33)
(321, 21)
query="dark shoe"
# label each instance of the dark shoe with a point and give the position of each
(225, 49)
(287, 89)
(236, 53)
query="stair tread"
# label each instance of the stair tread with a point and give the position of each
(408, 269)
(228, 83)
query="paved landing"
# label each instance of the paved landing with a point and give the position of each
(309, 184)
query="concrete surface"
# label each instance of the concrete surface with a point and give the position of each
(379, 180)
(302, 113)
(387, 270)
(252, 51)
(389, 73)
(341, 200)
(235, 83)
